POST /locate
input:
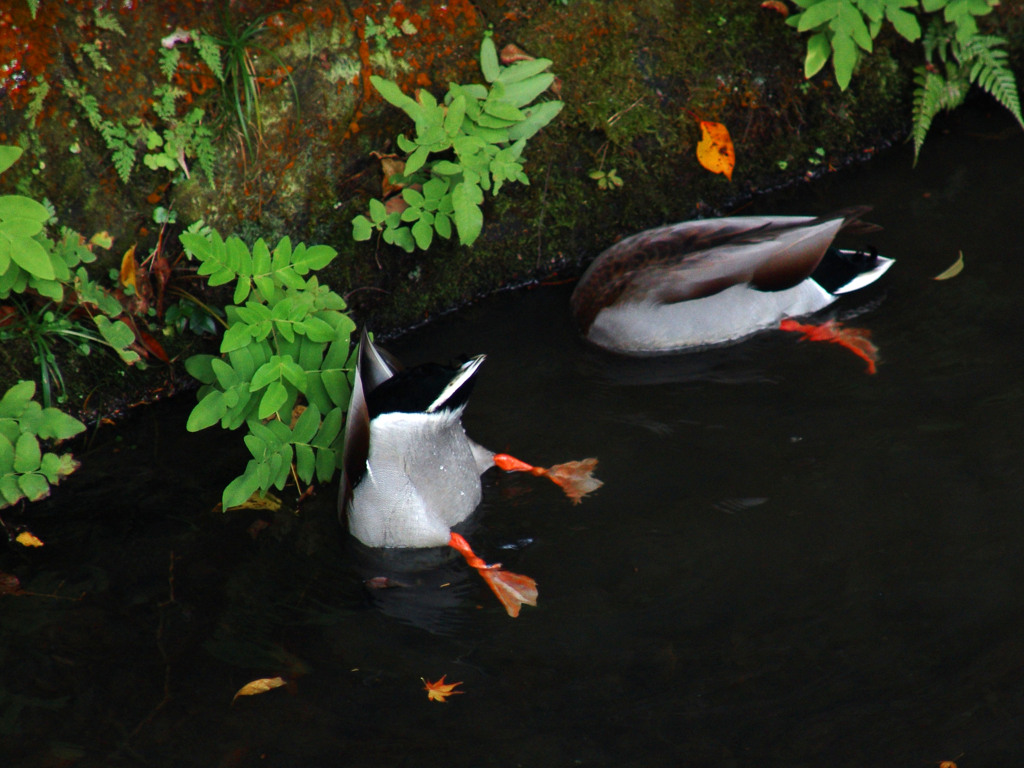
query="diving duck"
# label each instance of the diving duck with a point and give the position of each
(710, 281)
(410, 471)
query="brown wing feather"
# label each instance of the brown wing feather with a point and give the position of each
(694, 259)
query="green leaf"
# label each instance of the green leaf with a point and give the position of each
(207, 411)
(818, 51)
(305, 462)
(819, 14)
(26, 453)
(18, 206)
(522, 70)
(326, 463)
(34, 486)
(240, 489)
(456, 113)
(904, 23)
(362, 229)
(489, 60)
(844, 58)
(28, 254)
(503, 111)
(536, 118)
(306, 425)
(522, 93)
(392, 94)
(16, 398)
(469, 219)
(423, 233)
(850, 22)
(57, 425)
(275, 397)
(9, 156)
(416, 160)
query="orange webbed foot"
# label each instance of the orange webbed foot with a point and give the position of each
(575, 477)
(513, 589)
(857, 340)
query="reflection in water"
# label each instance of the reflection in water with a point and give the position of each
(790, 562)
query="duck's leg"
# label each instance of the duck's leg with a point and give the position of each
(575, 477)
(857, 340)
(513, 589)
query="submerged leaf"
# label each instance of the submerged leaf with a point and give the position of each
(259, 686)
(953, 270)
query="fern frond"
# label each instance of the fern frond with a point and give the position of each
(934, 93)
(990, 71)
(209, 52)
(169, 58)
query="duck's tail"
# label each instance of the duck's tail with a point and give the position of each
(843, 271)
(575, 477)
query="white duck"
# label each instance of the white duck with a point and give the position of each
(710, 281)
(410, 471)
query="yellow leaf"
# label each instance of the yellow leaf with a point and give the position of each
(439, 691)
(715, 151)
(128, 269)
(27, 539)
(259, 686)
(952, 271)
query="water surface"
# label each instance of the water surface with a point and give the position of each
(791, 563)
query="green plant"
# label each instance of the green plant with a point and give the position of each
(477, 137)
(388, 29)
(285, 364)
(606, 179)
(26, 470)
(943, 84)
(844, 29)
(37, 274)
(230, 58)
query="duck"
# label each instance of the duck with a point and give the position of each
(710, 281)
(411, 473)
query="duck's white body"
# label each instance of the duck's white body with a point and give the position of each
(712, 281)
(422, 477)
(409, 475)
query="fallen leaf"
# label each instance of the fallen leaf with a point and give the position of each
(9, 584)
(270, 501)
(510, 54)
(715, 150)
(389, 166)
(439, 691)
(953, 270)
(776, 5)
(128, 267)
(259, 686)
(27, 539)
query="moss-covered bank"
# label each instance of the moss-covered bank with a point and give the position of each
(635, 78)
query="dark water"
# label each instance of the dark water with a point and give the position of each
(792, 563)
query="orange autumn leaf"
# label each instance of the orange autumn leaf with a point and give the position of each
(439, 691)
(27, 539)
(715, 151)
(128, 269)
(259, 686)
